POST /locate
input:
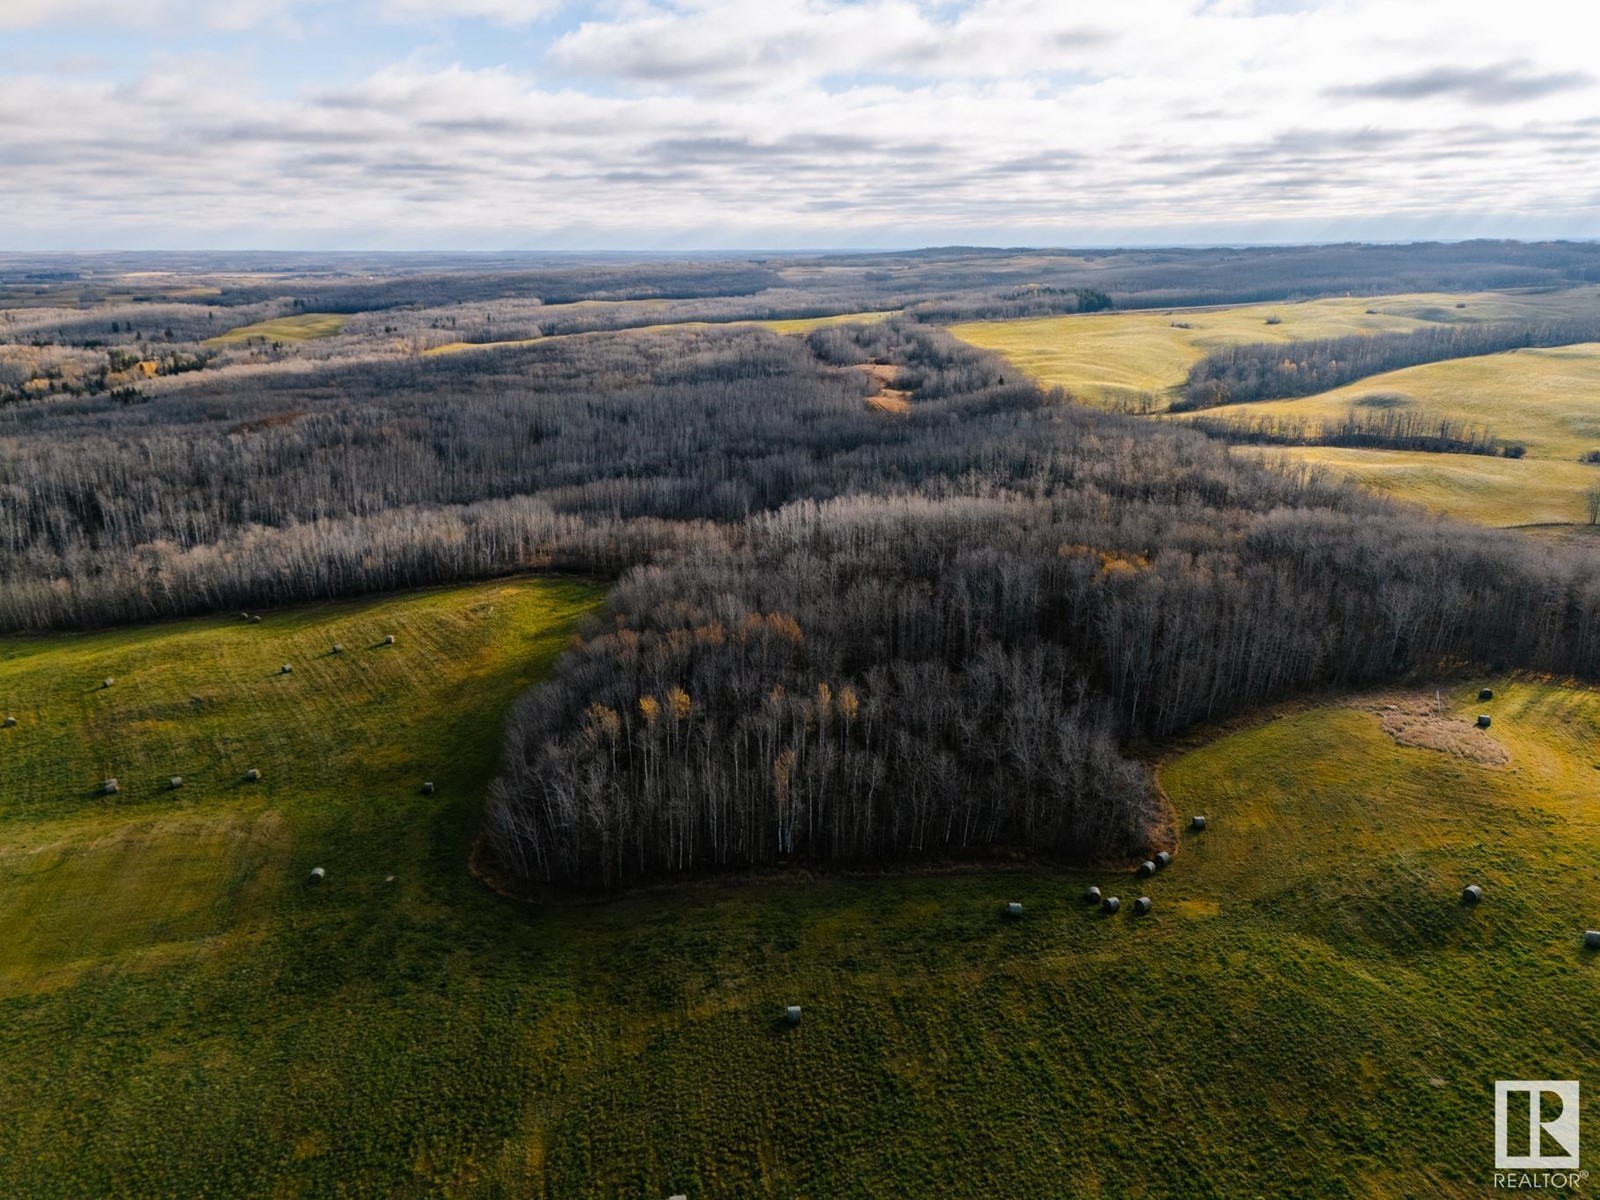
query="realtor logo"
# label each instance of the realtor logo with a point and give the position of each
(1544, 1138)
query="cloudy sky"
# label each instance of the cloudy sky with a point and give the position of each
(685, 124)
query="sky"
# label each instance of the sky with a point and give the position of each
(792, 124)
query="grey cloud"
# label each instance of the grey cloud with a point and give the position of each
(1503, 83)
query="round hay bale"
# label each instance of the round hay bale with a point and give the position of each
(337, 648)
(255, 620)
(427, 788)
(792, 1014)
(286, 669)
(1013, 909)
(1141, 906)
(252, 776)
(1486, 694)
(1092, 896)
(1471, 894)
(388, 639)
(107, 682)
(8, 723)
(175, 782)
(1483, 721)
(1110, 905)
(1146, 869)
(317, 875)
(110, 788)
(1164, 859)
(244, 616)
(1591, 939)
(1197, 823)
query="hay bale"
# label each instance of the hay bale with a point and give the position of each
(8, 723)
(1486, 694)
(1164, 859)
(792, 1014)
(107, 682)
(1591, 939)
(1092, 896)
(388, 639)
(286, 669)
(1110, 905)
(1141, 906)
(110, 788)
(1471, 894)
(317, 875)
(1197, 823)
(1146, 869)
(427, 788)
(175, 782)
(256, 620)
(1484, 721)
(1013, 909)
(252, 776)
(337, 648)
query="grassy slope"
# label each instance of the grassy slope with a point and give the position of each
(1103, 357)
(1336, 857)
(1548, 399)
(302, 328)
(1488, 491)
(180, 1014)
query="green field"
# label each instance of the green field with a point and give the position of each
(1308, 1010)
(305, 327)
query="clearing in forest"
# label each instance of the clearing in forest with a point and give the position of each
(305, 327)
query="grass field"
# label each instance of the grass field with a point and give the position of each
(1547, 399)
(1307, 1011)
(1499, 492)
(305, 327)
(1118, 357)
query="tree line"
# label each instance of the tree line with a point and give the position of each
(1385, 429)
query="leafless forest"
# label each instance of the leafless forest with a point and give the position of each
(838, 634)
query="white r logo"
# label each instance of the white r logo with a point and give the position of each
(1563, 1128)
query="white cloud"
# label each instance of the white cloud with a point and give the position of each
(504, 12)
(820, 122)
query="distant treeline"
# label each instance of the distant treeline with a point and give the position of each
(625, 281)
(1383, 430)
(955, 283)
(1275, 371)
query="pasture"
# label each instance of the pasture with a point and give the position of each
(1547, 399)
(1308, 1010)
(1139, 358)
(304, 327)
